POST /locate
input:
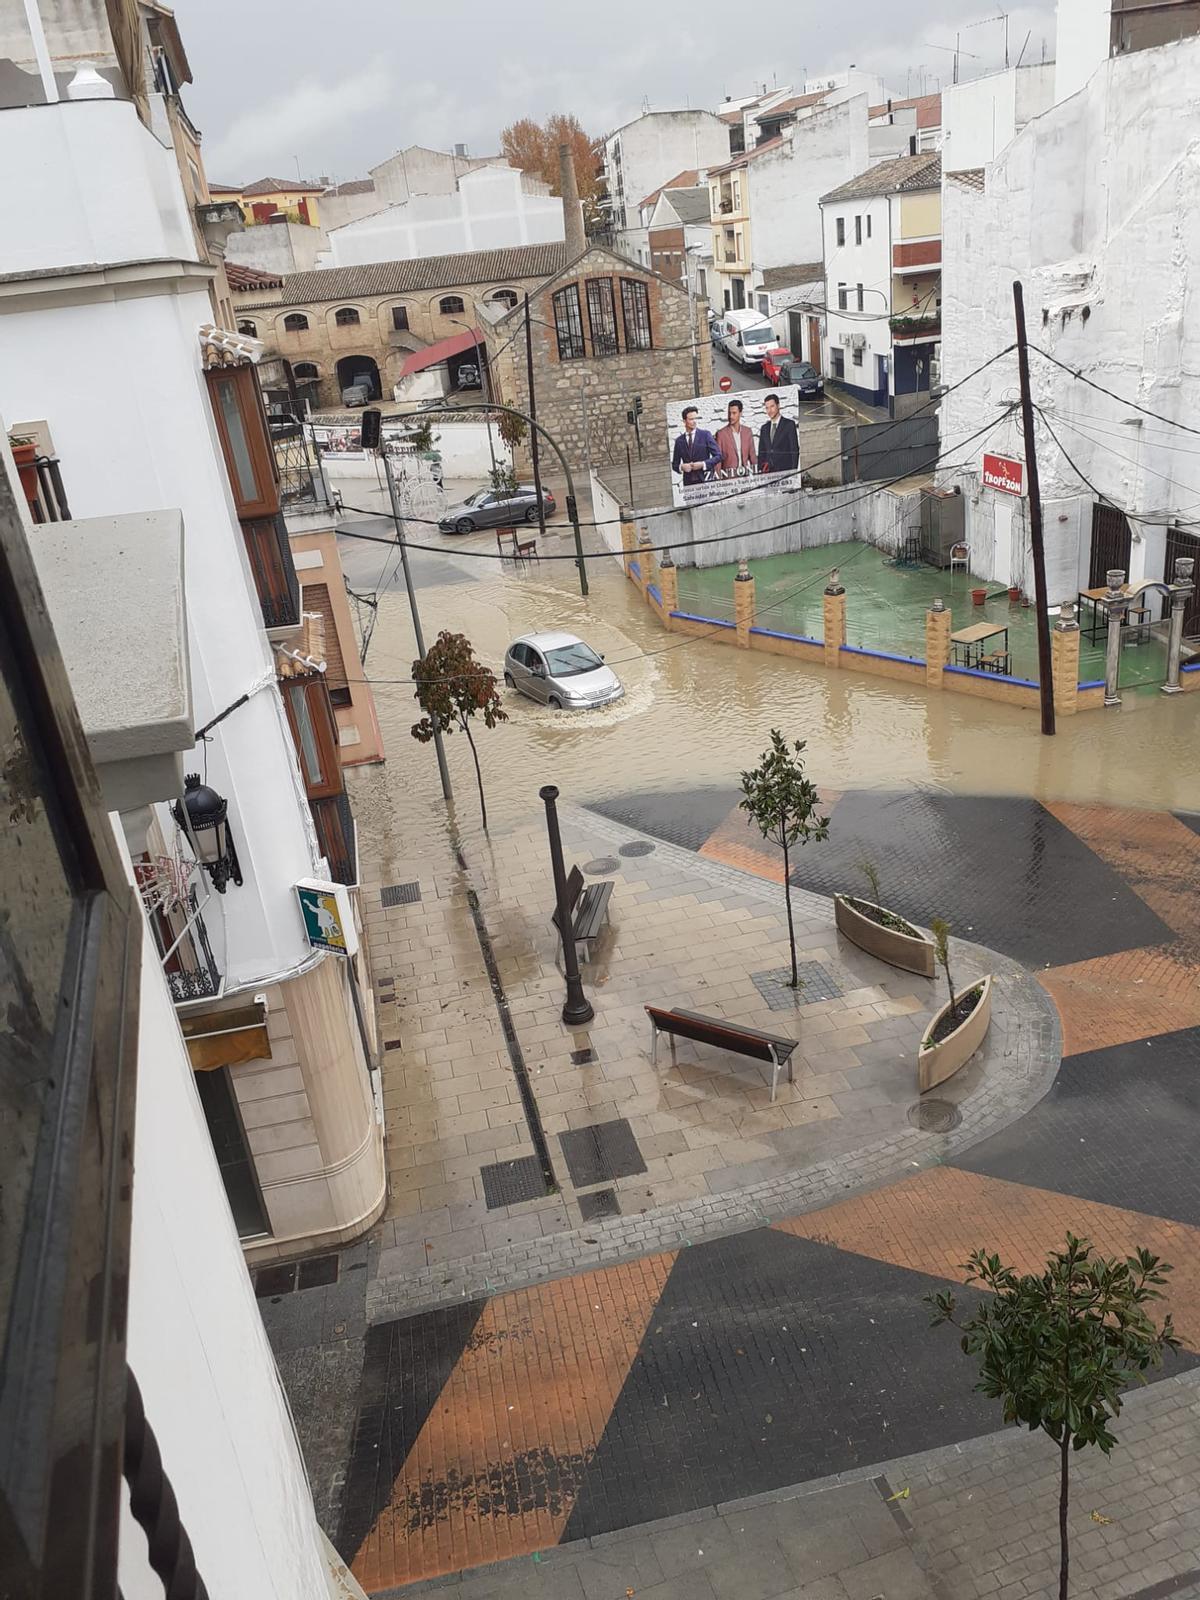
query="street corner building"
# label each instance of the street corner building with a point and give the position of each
(136, 412)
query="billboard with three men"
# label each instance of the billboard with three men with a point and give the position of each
(719, 443)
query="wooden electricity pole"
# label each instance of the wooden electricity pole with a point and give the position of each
(1037, 545)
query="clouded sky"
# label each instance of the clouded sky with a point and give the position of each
(338, 87)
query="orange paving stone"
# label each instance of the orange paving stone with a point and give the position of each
(1135, 994)
(932, 1222)
(1155, 853)
(495, 1470)
(738, 843)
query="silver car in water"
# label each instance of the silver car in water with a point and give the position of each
(561, 671)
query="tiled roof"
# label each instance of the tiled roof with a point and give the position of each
(748, 155)
(224, 188)
(969, 178)
(355, 186)
(681, 180)
(928, 107)
(251, 278)
(280, 186)
(798, 102)
(427, 272)
(892, 177)
(690, 205)
(793, 277)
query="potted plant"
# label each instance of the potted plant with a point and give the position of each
(25, 452)
(1014, 594)
(880, 932)
(956, 1031)
(978, 596)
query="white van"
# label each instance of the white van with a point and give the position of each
(746, 336)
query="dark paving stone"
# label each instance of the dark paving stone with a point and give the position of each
(322, 1384)
(508, 1183)
(400, 894)
(583, 1058)
(603, 1203)
(605, 1150)
(1190, 819)
(816, 983)
(317, 1271)
(683, 816)
(275, 1280)
(404, 1368)
(1120, 1126)
(1001, 870)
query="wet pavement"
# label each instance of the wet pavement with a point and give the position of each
(686, 1373)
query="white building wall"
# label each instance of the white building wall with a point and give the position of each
(657, 146)
(818, 154)
(852, 264)
(199, 1351)
(490, 210)
(979, 118)
(1081, 43)
(419, 170)
(279, 247)
(1095, 206)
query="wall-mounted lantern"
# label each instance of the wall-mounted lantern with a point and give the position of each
(206, 824)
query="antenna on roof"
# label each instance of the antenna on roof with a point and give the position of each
(645, 104)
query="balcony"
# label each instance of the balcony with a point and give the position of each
(916, 256)
(337, 835)
(274, 571)
(41, 482)
(188, 963)
(915, 328)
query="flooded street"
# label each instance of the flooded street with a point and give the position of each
(697, 712)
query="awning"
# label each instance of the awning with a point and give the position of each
(227, 1038)
(441, 351)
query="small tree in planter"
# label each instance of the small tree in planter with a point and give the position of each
(452, 687)
(1057, 1348)
(940, 929)
(783, 802)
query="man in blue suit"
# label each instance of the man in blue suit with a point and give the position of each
(696, 452)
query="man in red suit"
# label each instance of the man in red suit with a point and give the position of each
(735, 441)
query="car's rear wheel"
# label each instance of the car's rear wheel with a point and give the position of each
(464, 525)
(532, 514)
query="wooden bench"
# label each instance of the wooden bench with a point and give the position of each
(586, 907)
(724, 1035)
(512, 548)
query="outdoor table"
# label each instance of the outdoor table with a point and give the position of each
(968, 643)
(1099, 617)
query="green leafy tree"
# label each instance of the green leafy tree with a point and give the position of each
(1057, 1348)
(452, 688)
(783, 802)
(871, 873)
(503, 480)
(940, 930)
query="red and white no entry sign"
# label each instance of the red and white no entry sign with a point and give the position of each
(725, 383)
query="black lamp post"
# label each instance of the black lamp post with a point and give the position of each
(203, 816)
(577, 1009)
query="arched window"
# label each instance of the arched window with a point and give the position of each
(451, 305)
(305, 370)
(505, 297)
(346, 317)
(248, 327)
(295, 322)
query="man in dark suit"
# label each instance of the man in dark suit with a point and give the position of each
(778, 441)
(696, 453)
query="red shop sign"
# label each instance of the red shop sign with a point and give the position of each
(1000, 472)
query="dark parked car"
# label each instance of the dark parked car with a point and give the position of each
(468, 376)
(781, 366)
(487, 509)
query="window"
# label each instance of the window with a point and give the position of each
(306, 370)
(399, 319)
(248, 327)
(856, 355)
(451, 305)
(295, 322)
(858, 230)
(568, 324)
(764, 304)
(842, 301)
(506, 297)
(840, 226)
(868, 224)
(236, 1164)
(702, 283)
(602, 316)
(346, 317)
(859, 288)
(635, 308)
(245, 441)
(315, 733)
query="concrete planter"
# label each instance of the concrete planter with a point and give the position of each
(937, 1062)
(912, 952)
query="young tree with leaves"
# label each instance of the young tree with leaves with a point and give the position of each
(1057, 1348)
(452, 687)
(783, 802)
(940, 930)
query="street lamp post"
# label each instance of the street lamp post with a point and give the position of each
(485, 381)
(576, 1009)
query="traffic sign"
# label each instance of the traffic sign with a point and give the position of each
(725, 383)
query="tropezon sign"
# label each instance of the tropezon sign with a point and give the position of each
(1003, 473)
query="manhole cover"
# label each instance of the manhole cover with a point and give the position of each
(639, 847)
(603, 1203)
(400, 894)
(601, 865)
(934, 1116)
(508, 1183)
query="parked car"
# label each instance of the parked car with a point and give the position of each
(745, 336)
(468, 376)
(561, 671)
(356, 394)
(487, 509)
(781, 366)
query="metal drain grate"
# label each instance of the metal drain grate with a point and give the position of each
(816, 983)
(508, 1183)
(600, 1153)
(601, 865)
(603, 1203)
(271, 1281)
(582, 1058)
(639, 847)
(317, 1271)
(400, 894)
(934, 1116)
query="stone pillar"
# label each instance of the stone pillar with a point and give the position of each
(1181, 592)
(1064, 661)
(629, 540)
(1115, 604)
(937, 642)
(743, 605)
(668, 583)
(834, 609)
(645, 559)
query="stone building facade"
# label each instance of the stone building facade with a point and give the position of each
(338, 323)
(605, 331)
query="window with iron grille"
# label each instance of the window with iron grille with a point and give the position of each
(249, 328)
(841, 294)
(505, 297)
(346, 317)
(602, 316)
(568, 324)
(635, 308)
(840, 226)
(451, 305)
(295, 322)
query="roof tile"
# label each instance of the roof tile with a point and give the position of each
(427, 272)
(892, 177)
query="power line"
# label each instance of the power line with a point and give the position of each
(1133, 516)
(1082, 377)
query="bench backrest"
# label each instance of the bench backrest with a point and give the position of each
(727, 1036)
(574, 890)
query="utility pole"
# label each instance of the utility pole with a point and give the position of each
(533, 432)
(687, 274)
(1045, 671)
(439, 748)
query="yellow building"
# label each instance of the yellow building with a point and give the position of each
(271, 197)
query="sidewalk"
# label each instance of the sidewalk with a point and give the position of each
(964, 1523)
